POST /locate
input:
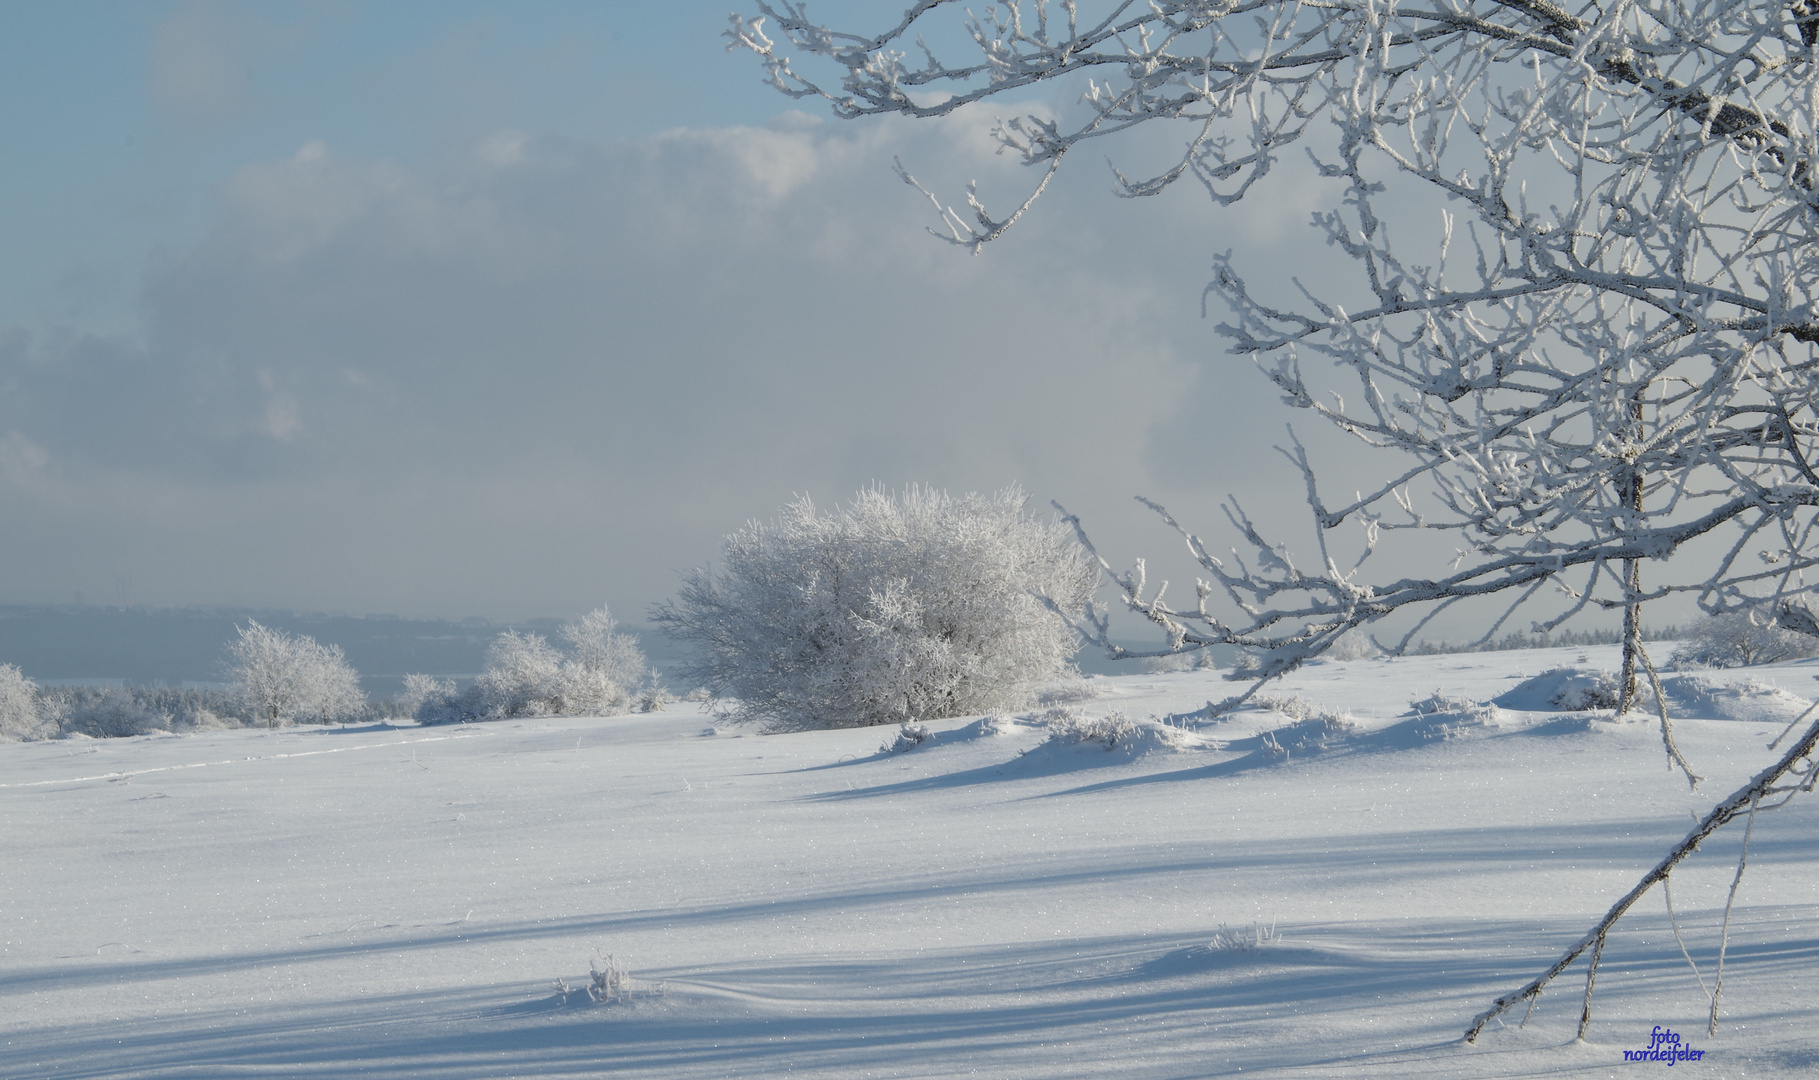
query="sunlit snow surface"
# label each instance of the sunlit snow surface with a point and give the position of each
(402, 903)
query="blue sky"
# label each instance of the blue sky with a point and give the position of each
(124, 119)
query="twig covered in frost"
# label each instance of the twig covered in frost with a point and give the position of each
(1602, 353)
(1797, 762)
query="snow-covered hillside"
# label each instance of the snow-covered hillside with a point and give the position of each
(404, 902)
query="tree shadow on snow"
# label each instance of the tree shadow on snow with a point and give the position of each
(997, 1009)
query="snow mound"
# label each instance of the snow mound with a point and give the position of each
(1564, 689)
(1304, 738)
(986, 727)
(1114, 732)
(1712, 697)
(1438, 719)
(1702, 696)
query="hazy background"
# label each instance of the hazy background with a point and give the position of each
(472, 310)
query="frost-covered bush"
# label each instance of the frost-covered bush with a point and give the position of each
(598, 648)
(1353, 646)
(106, 712)
(909, 736)
(1115, 731)
(1583, 690)
(523, 677)
(1312, 735)
(423, 690)
(283, 678)
(527, 676)
(1072, 728)
(896, 607)
(1295, 707)
(1742, 638)
(20, 714)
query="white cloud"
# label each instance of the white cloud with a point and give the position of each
(551, 372)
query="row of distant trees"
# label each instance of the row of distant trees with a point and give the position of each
(277, 678)
(897, 607)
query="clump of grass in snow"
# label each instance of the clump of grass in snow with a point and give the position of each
(1295, 708)
(1114, 731)
(1244, 939)
(609, 984)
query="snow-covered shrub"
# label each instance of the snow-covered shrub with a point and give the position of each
(103, 712)
(527, 676)
(522, 677)
(1437, 702)
(20, 714)
(596, 647)
(1742, 638)
(1583, 690)
(1069, 727)
(896, 607)
(1310, 735)
(909, 736)
(283, 678)
(1356, 645)
(110, 713)
(424, 692)
(1115, 731)
(654, 699)
(1295, 707)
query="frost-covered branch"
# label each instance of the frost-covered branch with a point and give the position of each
(1768, 784)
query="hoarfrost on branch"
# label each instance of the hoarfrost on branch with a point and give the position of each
(1605, 354)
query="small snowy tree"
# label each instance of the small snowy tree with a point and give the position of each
(1743, 638)
(21, 715)
(598, 649)
(283, 678)
(894, 608)
(522, 677)
(527, 676)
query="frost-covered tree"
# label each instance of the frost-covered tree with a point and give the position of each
(1583, 244)
(894, 608)
(1742, 638)
(1582, 314)
(21, 713)
(283, 678)
(596, 647)
(527, 676)
(523, 676)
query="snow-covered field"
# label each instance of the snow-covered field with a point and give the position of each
(403, 902)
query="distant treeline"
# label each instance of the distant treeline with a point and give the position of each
(1563, 639)
(112, 712)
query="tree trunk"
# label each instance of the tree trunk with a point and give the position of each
(1632, 629)
(1631, 496)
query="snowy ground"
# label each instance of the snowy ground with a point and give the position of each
(401, 903)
